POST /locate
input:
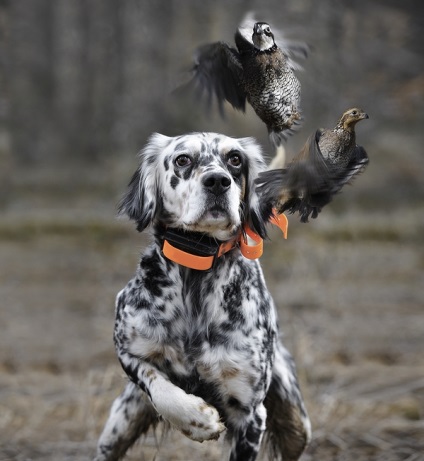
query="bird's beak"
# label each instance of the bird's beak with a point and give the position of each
(257, 29)
(365, 115)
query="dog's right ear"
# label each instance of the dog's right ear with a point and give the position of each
(142, 199)
(254, 215)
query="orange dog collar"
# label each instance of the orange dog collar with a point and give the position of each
(204, 251)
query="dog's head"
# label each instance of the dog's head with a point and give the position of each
(202, 182)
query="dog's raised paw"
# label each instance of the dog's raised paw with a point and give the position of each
(202, 421)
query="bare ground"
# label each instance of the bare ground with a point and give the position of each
(350, 293)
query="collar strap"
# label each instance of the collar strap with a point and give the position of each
(197, 251)
(193, 249)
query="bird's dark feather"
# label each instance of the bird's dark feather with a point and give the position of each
(356, 165)
(308, 183)
(243, 44)
(217, 70)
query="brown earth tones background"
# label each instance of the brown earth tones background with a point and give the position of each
(81, 87)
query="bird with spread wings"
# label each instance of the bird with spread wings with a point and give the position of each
(260, 71)
(329, 160)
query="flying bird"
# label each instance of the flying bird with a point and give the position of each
(328, 160)
(259, 70)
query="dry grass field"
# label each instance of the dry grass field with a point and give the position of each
(350, 293)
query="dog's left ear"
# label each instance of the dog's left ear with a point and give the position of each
(255, 212)
(142, 201)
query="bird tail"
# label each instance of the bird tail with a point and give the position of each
(277, 138)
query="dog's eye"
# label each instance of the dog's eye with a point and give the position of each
(183, 160)
(234, 159)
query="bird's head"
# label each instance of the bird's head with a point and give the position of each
(263, 38)
(351, 117)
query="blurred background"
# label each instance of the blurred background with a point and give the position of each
(82, 86)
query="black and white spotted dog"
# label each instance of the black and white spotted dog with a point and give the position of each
(201, 348)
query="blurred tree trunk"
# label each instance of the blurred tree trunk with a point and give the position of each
(64, 68)
(86, 74)
(82, 81)
(30, 77)
(87, 79)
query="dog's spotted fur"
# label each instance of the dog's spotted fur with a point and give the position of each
(201, 349)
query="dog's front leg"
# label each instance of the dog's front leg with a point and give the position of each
(188, 413)
(131, 416)
(248, 436)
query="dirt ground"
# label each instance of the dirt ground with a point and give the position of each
(350, 293)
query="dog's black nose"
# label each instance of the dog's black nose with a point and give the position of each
(217, 183)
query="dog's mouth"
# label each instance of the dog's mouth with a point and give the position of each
(216, 221)
(218, 215)
(217, 212)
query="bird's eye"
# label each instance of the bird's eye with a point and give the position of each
(234, 159)
(183, 160)
(354, 112)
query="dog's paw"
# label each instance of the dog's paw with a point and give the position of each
(205, 424)
(198, 421)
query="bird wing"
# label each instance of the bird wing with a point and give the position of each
(308, 183)
(243, 35)
(304, 186)
(357, 163)
(218, 72)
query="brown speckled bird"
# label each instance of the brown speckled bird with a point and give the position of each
(329, 160)
(259, 71)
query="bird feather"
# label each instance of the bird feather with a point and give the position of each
(218, 71)
(308, 183)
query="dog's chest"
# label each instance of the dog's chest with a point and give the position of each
(198, 324)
